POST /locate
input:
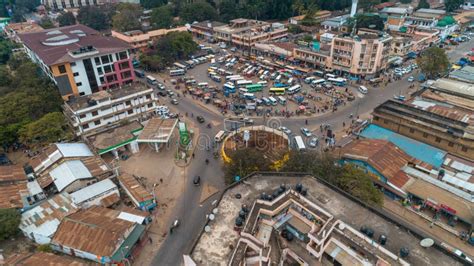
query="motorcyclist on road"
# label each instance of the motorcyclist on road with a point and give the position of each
(207, 161)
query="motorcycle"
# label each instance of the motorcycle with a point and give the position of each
(209, 125)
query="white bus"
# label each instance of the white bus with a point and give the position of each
(249, 96)
(330, 76)
(278, 78)
(290, 81)
(282, 100)
(243, 83)
(229, 87)
(337, 81)
(318, 81)
(203, 85)
(231, 77)
(151, 80)
(177, 72)
(272, 100)
(219, 136)
(309, 79)
(299, 143)
(264, 83)
(294, 89)
(178, 65)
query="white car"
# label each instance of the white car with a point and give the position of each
(306, 132)
(313, 142)
(285, 130)
(411, 79)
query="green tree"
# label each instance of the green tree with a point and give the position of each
(198, 11)
(44, 248)
(51, 127)
(5, 50)
(451, 5)
(433, 62)
(127, 17)
(423, 4)
(47, 23)
(66, 19)
(162, 17)
(149, 4)
(98, 18)
(228, 10)
(347, 177)
(405, 1)
(9, 222)
(244, 162)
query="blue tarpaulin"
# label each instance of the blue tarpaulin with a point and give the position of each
(414, 148)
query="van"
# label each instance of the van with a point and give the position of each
(220, 136)
(363, 89)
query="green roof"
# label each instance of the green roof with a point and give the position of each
(124, 250)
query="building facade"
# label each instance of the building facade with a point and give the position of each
(205, 29)
(138, 39)
(96, 112)
(79, 60)
(63, 4)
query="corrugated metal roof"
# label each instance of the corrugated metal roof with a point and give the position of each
(93, 190)
(74, 149)
(134, 188)
(131, 217)
(44, 258)
(45, 218)
(12, 173)
(68, 172)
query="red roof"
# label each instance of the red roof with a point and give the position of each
(53, 46)
(383, 5)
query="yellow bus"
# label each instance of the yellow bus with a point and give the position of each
(278, 91)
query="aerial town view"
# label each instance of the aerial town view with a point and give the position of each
(237, 132)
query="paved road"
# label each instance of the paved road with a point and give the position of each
(189, 211)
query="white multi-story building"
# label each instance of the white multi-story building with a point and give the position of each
(79, 60)
(63, 4)
(99, 111)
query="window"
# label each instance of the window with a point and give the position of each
(438, 139)
(148, 97)
(130, 111)
(464, 148)
(128, 103)
(73, 64)
(97, 60)
(100, 71)
(75, 74)
(412, 130)
(105, 59)
(107, 69)
(94, 113)
(79, 84)
(82, 116)
(150, 105)
(86, 126)
(62, 69)
(425, 135)
(123, 55)
(126, 75)
(97, 122)
(124, 65)
(450, 144)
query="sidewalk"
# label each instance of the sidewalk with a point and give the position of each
(397, 209)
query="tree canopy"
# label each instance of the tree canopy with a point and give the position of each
(9, 222)
(423, 4)
(245, 161)
(166, 50)
(433, 62)
(96, 17)
(148, 4)
(52, 127)
(198, 11)
(66, 19)
(162, 17)
(451, 5)
(127, 17)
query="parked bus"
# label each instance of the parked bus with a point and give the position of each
(266, 101)
(235, 79)
(231, 77)
(243, 83)
(254, 87)
(291, 81)
(139, 73)
(203, 85)
(177, 72)
(318, 81)
(249, 96)
(309, 79)
(278, 91)
(332, 76)
(263, 83)
(294, 89)
(151, 80)
(178, 65)
(216, 78)
(278, 78)
(318, 73)
(299, 143)
(272, 100)
(229, 87)
(243, 90)
(280, 85)
(337, 81)
(282, 100)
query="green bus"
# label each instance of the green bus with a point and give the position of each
(278, 91)
(254, 87)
